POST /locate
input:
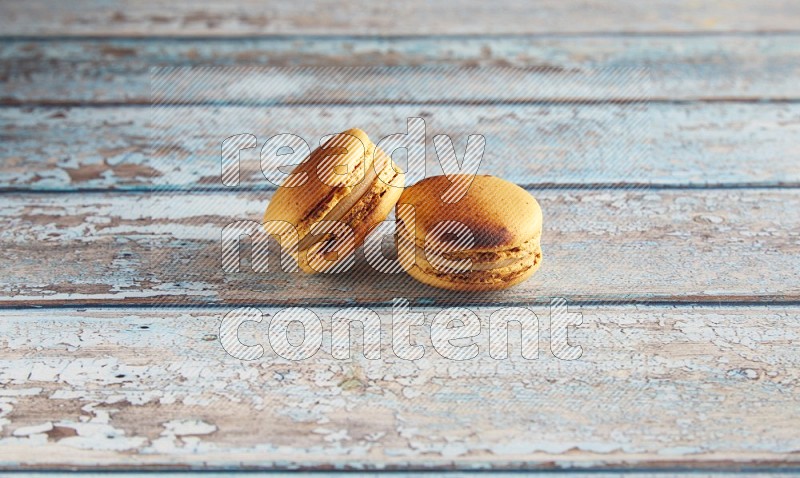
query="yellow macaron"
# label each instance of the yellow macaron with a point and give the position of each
(503, 220)
(348, 180)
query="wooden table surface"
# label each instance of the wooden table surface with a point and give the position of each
(684, 258)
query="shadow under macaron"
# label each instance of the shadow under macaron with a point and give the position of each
(360, 284)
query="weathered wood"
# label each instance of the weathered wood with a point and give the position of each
(655, 387)
(659, 144)
(738, 245)
(660, 385)
(327, 17)
(433, 474)
(687, 68)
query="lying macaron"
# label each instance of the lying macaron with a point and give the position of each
(347, 180)
(503, 220)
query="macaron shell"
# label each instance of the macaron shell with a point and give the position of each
(499, 214)
(325, 184)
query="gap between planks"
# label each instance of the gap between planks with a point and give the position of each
(587, 35)
(55, 104)
(709, 305)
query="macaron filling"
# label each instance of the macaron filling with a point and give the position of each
(487, 266)
(358, 202)
(367, 202)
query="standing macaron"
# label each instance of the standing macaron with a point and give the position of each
(503, 220)
(347, 182)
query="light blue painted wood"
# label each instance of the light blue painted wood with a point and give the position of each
(655, 388)
(416, 17)
(115, 70)
(718, 369)
(665, 145)
(608, 246)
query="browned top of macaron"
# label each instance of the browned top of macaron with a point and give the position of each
(499, 214)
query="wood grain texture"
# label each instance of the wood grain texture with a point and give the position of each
(675, 388)
(112, 291)
(431, 474)
(326, 17)
(686, 68)
(130, 148)
(428, 474)
(733, 245)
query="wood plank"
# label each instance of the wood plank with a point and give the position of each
(736, 245)
(325, 17)
(430, 474)
(655, 388)
(687, 68)
(662, 144)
